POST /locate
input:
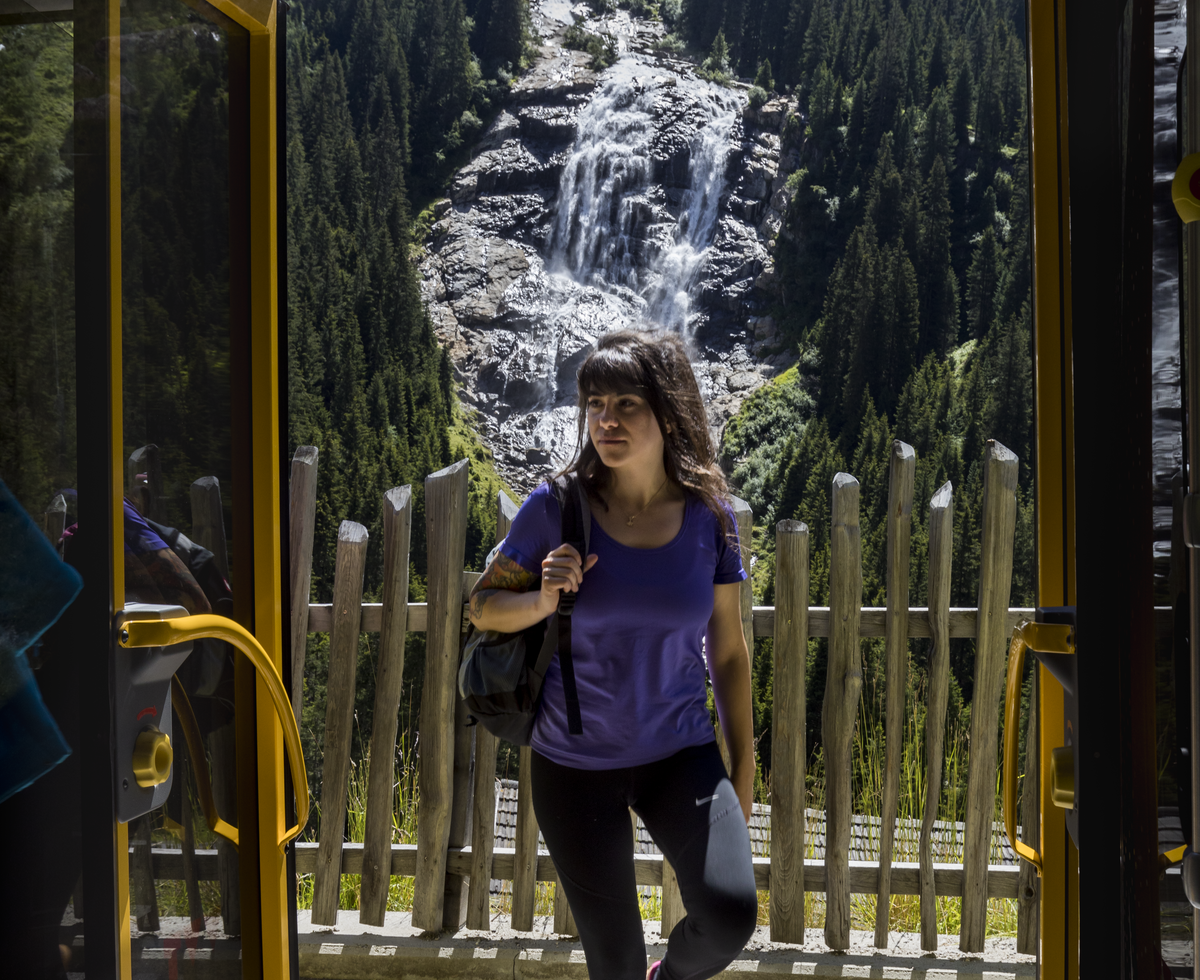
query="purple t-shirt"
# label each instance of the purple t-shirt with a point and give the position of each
(636, 638)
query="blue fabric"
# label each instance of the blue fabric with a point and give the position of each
(636, 638)
(35, 588)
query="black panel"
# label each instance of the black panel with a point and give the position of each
(93, 611)
(1110, 95)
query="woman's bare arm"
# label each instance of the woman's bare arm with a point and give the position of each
(729, 669)
(502, 599)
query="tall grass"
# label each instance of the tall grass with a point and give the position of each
(867, 782)
(404, 831)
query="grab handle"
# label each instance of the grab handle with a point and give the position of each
(164, 632)
(191, 731)
(1041, 638)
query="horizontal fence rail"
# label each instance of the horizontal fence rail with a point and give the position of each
(864, 875)
(455, 856)
(963, 622)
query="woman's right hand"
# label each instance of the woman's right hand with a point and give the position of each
(504, 598)
(562, 571)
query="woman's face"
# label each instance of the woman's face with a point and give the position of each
(624, 431)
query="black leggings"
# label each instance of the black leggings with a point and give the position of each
(689, 806)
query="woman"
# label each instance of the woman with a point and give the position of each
(657, 595)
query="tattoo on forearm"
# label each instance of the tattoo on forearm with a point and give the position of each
(479, 600)
(504, 573)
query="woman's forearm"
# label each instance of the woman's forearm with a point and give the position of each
(506, 611)
(731, 690)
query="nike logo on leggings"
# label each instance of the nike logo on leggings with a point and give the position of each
(707, 799)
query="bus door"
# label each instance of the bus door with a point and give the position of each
(140, 432)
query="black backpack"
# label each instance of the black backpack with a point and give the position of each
(500, 677)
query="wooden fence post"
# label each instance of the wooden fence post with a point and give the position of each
(787, 732)
(446, 537)
(389, 682)
(1029, 886)
(524, 887)
(745, 528)
(991, 646)
(483, 830)
(454, 904)
(223, 751)
(672, 900)
(187, 849)
(141, 874)
(564, 920)
(843, 686)
(941, 550)
(208, 522)
(350, 566)
(208, 531)
(302, 516)
(55, 520)
(900, 501)
(146, 460)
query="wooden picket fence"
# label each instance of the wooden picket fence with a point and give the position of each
(454, 860)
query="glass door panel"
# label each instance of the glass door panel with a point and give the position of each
(41, 903)
(179, 354)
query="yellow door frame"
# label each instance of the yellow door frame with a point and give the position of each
(266, 941)
(1054, 452)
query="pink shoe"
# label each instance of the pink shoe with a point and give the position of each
(653, 971)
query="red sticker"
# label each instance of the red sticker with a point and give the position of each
(151, 711)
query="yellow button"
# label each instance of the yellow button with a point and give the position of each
(152, 756)
(1185, 188)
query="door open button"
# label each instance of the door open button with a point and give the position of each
(152, 756)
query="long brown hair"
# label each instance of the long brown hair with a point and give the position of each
(656, 367)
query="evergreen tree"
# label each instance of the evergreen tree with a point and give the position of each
(962, 102)
(763, 79)
(938, 135)
(982, 278)
(937, 285)
(507, 33)
(937, 67)
(817, 39)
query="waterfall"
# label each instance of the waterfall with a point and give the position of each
(609, 162)
(697, 223)
(609, 231)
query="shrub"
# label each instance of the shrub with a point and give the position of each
(757, 97)
(669, 44)
(602, 49)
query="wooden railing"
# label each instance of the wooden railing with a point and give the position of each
(454, 861)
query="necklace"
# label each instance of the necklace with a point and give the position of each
(629, 523)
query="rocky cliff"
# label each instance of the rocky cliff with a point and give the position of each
(639, 196)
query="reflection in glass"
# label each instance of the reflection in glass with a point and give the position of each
(176, 329)
(40, 824)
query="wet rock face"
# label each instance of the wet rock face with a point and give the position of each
(636, 198)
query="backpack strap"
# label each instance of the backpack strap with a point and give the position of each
(576, 530)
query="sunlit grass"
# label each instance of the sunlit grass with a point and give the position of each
(404, 831)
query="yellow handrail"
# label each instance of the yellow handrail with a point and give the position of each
(1044, 638)
(165, 632)
(191, 731)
